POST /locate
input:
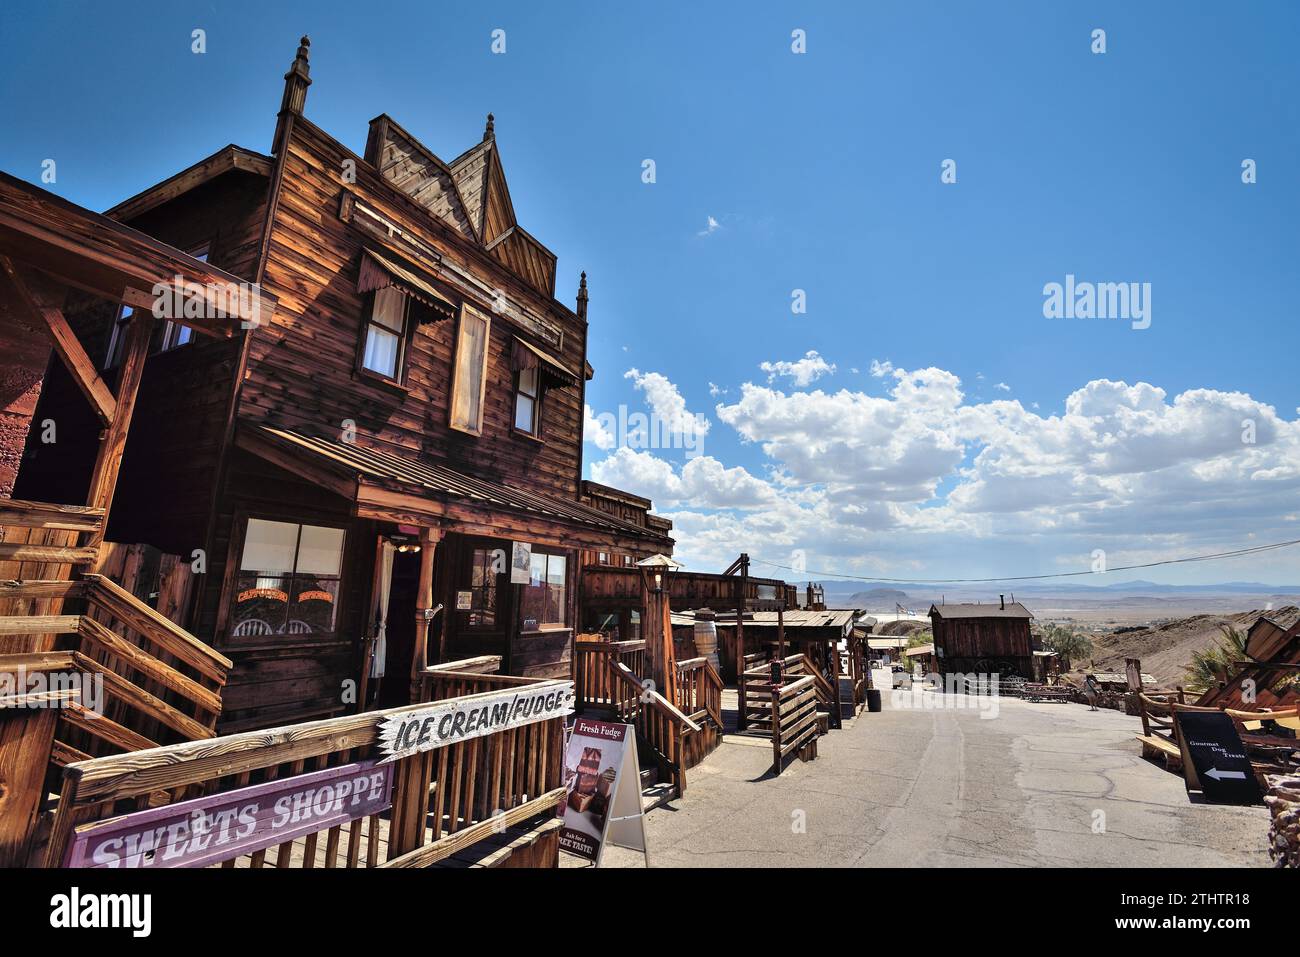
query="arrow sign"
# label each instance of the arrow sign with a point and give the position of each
(1216, 766)
(1220, 775)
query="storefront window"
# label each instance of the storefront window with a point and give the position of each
(288, 582)
(544, 598)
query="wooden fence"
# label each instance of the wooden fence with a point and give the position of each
(443, 801)
(595, 684)
(754, 685)
(794, 721)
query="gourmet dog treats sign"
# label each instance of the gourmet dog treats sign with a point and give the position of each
(460, 719)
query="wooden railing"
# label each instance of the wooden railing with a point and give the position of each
(794, 721)
(754, 685)
(160, 683)
(699, 697)
(1160, 737)
(660, 724)
(45, 539)
(594, 681)
(442, 800)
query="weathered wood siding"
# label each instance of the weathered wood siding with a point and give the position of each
(301, 369)
(982, 637)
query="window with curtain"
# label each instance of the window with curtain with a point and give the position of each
(385, 342)
(469, 376)
(528, 401)
(288, 581)
(544, 601)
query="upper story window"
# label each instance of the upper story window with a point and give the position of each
(384, 348)
(288, 581)
(174, 334)
(469, 377)
(528, 401)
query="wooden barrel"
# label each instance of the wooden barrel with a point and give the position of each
(706, 637)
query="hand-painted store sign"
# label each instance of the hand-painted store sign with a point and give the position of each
(205, 830)
(450, 722)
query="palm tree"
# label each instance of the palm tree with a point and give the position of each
(1223, 655)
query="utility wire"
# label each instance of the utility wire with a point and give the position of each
(1022, 578)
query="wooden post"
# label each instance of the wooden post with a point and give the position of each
(776, 729)
(659, 641)
(26, 737)
(103, 480)
(429, 538)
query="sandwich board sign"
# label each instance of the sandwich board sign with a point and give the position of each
(1215, 762)
(602, 805)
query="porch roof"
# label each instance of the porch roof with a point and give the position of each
(393, 487)
(80, 248)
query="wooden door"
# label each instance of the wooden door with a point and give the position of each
(480, 580)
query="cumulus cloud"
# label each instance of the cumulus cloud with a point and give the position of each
(886, 479)
(595, 431)
(667, 404)
(802, 372)
(881, 369)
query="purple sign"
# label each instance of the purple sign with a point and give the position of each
(205, 830)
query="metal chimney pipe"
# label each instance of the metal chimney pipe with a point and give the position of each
(1002, 602)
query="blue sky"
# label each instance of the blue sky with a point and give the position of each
(822, 173)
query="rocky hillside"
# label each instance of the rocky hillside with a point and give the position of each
(1166, 649)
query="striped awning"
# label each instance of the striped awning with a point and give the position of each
(525, 355)
(379, 271)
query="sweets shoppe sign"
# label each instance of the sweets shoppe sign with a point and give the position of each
(202, 831)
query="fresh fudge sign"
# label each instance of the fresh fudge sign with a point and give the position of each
(603, 801)
(461, 719)
(205, 830)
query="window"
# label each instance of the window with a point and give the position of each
(470, 376)
(482, 611)
(174, 334)
(602, 558)
(385, 342)
(117, 337)
(528, 401)
(288, 581)
(544, 597)
(628, 561)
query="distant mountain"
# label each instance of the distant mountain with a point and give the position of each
(918, 593)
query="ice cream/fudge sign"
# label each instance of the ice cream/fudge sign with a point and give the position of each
(205, 830)
(461, 719)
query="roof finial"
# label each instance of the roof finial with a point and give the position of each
(582, 296)
(489, 132)
(296, 81)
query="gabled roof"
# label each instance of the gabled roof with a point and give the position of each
(1013, 609)
(470, 193)
(223, 161)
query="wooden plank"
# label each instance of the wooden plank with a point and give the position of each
(439, 850)
(40, 624)
(112, 643)
(79, 518)
(54, 554)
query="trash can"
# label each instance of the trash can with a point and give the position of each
(873, 699)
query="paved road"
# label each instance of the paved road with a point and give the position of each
(929, 787)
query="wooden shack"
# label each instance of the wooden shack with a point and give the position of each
(387, 471)
(985, 639)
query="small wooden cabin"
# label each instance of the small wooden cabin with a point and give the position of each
(984, 639)
(387, 471)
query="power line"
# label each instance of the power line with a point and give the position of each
(1022, 578)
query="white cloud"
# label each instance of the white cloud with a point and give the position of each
(667, 404)
(1002, 387)
(897, 482)
(881, 369)
(711, 226)
(802, 372)
(594, 431)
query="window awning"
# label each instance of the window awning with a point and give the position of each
(525, 355)
(378, 272)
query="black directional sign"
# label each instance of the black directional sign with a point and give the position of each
(1215, 762)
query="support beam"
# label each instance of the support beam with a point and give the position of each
(429, 538)
(34, 298)
(103, 480)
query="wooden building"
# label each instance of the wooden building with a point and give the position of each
(984, 639)
(387, 471)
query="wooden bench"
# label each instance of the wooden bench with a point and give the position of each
(527, 845)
